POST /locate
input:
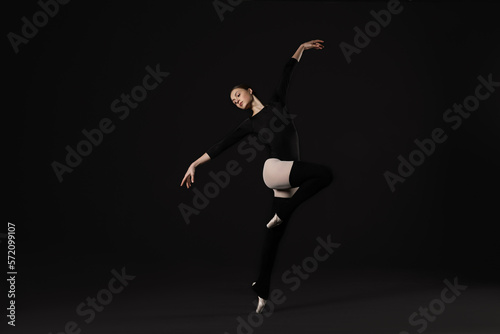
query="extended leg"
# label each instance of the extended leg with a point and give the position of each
(269, 251)
(310, 178)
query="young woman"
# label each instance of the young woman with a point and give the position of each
(292, 180)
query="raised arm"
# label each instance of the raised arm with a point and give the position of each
(281, 90)
(279, 96)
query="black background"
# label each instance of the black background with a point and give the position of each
(119, 207)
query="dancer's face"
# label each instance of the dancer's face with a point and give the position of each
(242, 98)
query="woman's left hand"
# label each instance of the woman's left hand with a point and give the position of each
(314, 44)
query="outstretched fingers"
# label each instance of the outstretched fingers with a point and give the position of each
(317, 44)
(186, 180)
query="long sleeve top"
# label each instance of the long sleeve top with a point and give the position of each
(272, 125)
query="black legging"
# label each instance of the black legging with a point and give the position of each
(310, 178)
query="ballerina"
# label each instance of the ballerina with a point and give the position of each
(292, 180)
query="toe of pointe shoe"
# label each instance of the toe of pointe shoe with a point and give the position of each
(260, 306)
(275, 221)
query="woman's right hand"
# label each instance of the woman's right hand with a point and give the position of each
(189, 176)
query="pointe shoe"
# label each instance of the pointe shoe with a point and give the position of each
(262, 303)
(260, 306)
(275, 221)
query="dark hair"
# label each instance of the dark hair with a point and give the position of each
(244, 86)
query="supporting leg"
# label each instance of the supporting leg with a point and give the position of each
(269, 251)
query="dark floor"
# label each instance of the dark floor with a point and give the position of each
(328, 301)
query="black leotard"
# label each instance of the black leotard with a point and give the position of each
(273, 125)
